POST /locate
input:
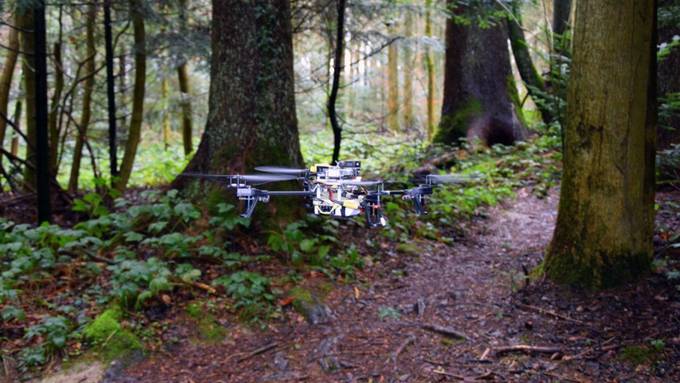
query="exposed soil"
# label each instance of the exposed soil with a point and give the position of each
(477, 287)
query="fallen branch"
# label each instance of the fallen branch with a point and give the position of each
(259, 351)
(94, 257)
(527, 349)
(402, 347)
(548, 312)
(448, 331)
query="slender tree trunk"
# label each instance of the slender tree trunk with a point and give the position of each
(480, 98)
(27, 42)
(185, 87)
(185, 102)
(88, 87)
(525, 65)
(111, 93)
(135, 131)
(429, 65)
(409, 72)
(6, 77)
(393, 83)
(332, 98)
(42, 147)
(14, 148)
(605, 222)
(560, 27)
(251, 118)
(166, 114)
(55, 107)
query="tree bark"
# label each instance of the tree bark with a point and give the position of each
(251, 117)
(6, 77)
(393, 83)
(480, 98)
(409, 72)
(525, 65)
(14, 147)
(560, 25)
(88, 86)
(429, 65)
(135, 131)
(605, 223)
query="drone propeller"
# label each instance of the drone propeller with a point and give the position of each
(254, 179)
(281, 170)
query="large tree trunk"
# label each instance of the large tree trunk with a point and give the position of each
(6, 76)
(135, 131)
(393, 83)
(480, 98)
(88, 87)
(111, 93)
(251, 117)
(669, 74)
(525, 65)
(605, 222)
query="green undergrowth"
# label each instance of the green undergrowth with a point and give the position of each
(209, 330)
(89, 287)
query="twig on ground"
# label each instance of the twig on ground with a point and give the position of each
(448, 331)
(527, 349)
(258, 351)
(402, 347)
(548, 312)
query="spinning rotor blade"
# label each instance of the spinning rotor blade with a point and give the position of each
(247, 178)
(435, 179)
(281, 170)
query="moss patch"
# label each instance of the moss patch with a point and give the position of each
(208, 328)
(639, 354)
(454, 126)
(112, 341)
(409, 248)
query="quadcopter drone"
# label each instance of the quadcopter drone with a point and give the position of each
(330, 190)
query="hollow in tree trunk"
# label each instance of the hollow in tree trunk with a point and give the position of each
(605, 222)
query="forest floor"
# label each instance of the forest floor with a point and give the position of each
(464, 311)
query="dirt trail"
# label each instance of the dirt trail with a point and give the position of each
(475, 286)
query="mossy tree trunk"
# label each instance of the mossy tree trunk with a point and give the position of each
(166, 113)
(88, 87)
(251, 115)
(605, 221)
(135, 130)
(393, 82)
(480, 98)
(6, 77)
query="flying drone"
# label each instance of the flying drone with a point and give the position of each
(330, 190)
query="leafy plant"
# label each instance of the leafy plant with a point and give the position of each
(246, 288)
